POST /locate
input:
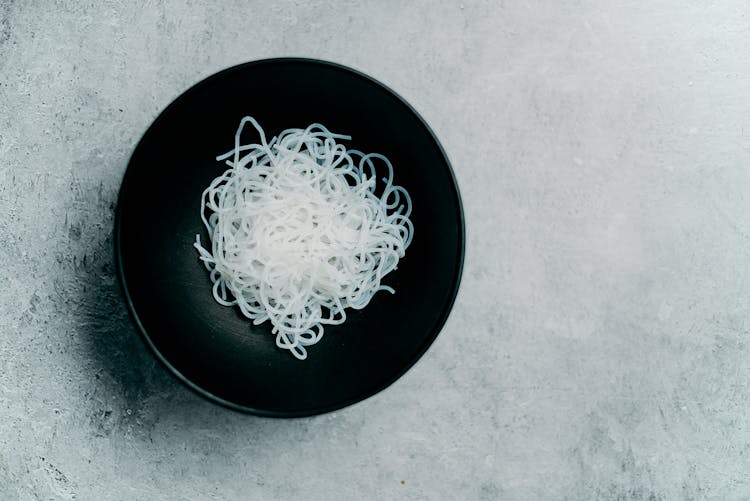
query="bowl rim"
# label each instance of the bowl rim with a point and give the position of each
(439, 324)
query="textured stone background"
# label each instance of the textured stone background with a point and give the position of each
(599, 346)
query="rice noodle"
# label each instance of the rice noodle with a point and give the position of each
(300, 231)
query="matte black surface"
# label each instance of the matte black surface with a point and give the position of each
(212, 348)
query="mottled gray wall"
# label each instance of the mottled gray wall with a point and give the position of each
(599, 345)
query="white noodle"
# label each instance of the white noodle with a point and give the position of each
(299, 231)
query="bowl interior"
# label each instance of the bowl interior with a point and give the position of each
(214, 348)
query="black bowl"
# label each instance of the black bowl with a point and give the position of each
(213, 348)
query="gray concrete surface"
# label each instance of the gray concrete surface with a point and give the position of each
(599, 346)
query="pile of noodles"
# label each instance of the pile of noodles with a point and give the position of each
(301, 229)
